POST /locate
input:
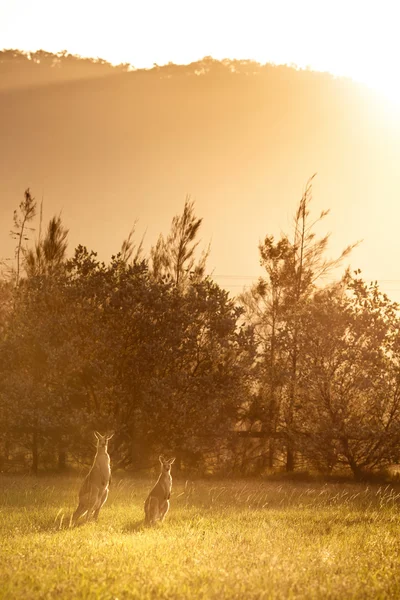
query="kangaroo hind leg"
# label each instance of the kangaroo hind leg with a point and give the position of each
(164, 508)
(151, 510)
(80, 511)
(100, 503)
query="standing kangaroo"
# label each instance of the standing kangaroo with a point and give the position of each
(157, 503)
(94, 489)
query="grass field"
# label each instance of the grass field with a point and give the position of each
(235, 539)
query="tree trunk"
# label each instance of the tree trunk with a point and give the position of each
(358, 473)
(289, 458)
(35, 453)
(271, 453)
(62, 457)
(135, 453)
(356, 470)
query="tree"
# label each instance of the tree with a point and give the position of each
(27, 212)
(130, 251)
(30, 366)
(266, 302)
(48, 253)
(294, 269)
(350, 378)
(162, 366)
(174, 258)
(95, 346)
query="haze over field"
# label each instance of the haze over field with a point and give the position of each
(107, 147)
(179, 218)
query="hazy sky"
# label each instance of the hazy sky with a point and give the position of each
(218, 145)
(357, 38)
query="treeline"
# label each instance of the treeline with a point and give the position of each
(42, 67)
(24, 69)
(292, 374)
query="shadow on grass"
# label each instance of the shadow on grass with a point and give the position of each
(135, 526)
(63, 522)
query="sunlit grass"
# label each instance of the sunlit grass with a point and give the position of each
(220, 540)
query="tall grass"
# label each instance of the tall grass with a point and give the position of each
(235, 539)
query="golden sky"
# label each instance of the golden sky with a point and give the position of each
(243, 151)
(356, 38)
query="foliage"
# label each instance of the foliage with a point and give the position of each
(96, 346)
(24, 215)
(49, 253)
(350, 402)
(275, 305)
(174, 258)
(297, 375)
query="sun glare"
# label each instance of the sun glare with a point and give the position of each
(353, 39)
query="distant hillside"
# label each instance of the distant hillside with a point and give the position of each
(21, 69)
(108, 145)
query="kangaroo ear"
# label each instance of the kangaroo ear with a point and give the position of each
(172, 460)
(97, 435)
(161, 459)
(110, 435)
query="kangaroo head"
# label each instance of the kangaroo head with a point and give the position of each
(166, 463)
(102, 440)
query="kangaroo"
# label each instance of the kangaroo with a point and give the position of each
(157, 503)
(94, 489)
